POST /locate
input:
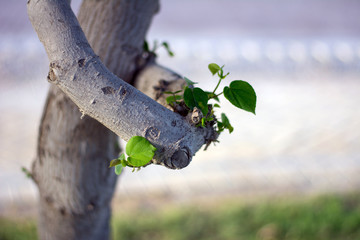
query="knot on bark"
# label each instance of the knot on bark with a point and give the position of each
(194, 117)
(152, 133)
(54, 69)
(180, 159)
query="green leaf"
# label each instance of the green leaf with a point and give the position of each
(226, 123)
(146, 46)
(166, 46)
(124, 163)
(196, 97)
(242, 95)
(201, 99)
(189, 98)
(118, 169)
(172, 99)
(189, 82)
(117, 161)
(224, 119)
(214, 68)
(27, 172)
(216, 105)
(220, 126)
(114, 162)
(203, 122)
(140, 151)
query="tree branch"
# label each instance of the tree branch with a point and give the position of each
(77, 71)
(154, 79)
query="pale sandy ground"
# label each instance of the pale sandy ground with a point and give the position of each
(305, 138)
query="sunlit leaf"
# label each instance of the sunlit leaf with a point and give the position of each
(140, 151)
(214, 68)
(242, 95)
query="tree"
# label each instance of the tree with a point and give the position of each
(75, 147)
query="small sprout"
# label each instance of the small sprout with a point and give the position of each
(216, 105)
(214, 68)
(27, 172)
(166, 46)
(156, 46)
(114, 162)
(239, 93)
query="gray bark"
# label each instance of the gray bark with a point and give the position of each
(76, 70)
(75, 185)
(71, 167)
(158, 77)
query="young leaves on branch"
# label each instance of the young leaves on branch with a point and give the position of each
(196, 97)
(239, 93)
(139, 151)
(224, 124)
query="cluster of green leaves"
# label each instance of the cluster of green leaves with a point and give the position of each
(139, 151)
(156, 46)
(239, 93)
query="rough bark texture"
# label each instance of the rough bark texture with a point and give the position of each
(71, 168)
(71, 171)
(77, 71)
(121, 42)
(160, 79)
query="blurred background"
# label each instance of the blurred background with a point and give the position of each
(301, 57)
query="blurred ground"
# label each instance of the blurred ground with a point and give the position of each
(327, 217)
(302, 58)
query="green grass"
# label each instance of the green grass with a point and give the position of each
(325, 217)
(17, 230)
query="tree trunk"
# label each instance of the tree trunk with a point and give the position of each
(78, 71)
(71, 168)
